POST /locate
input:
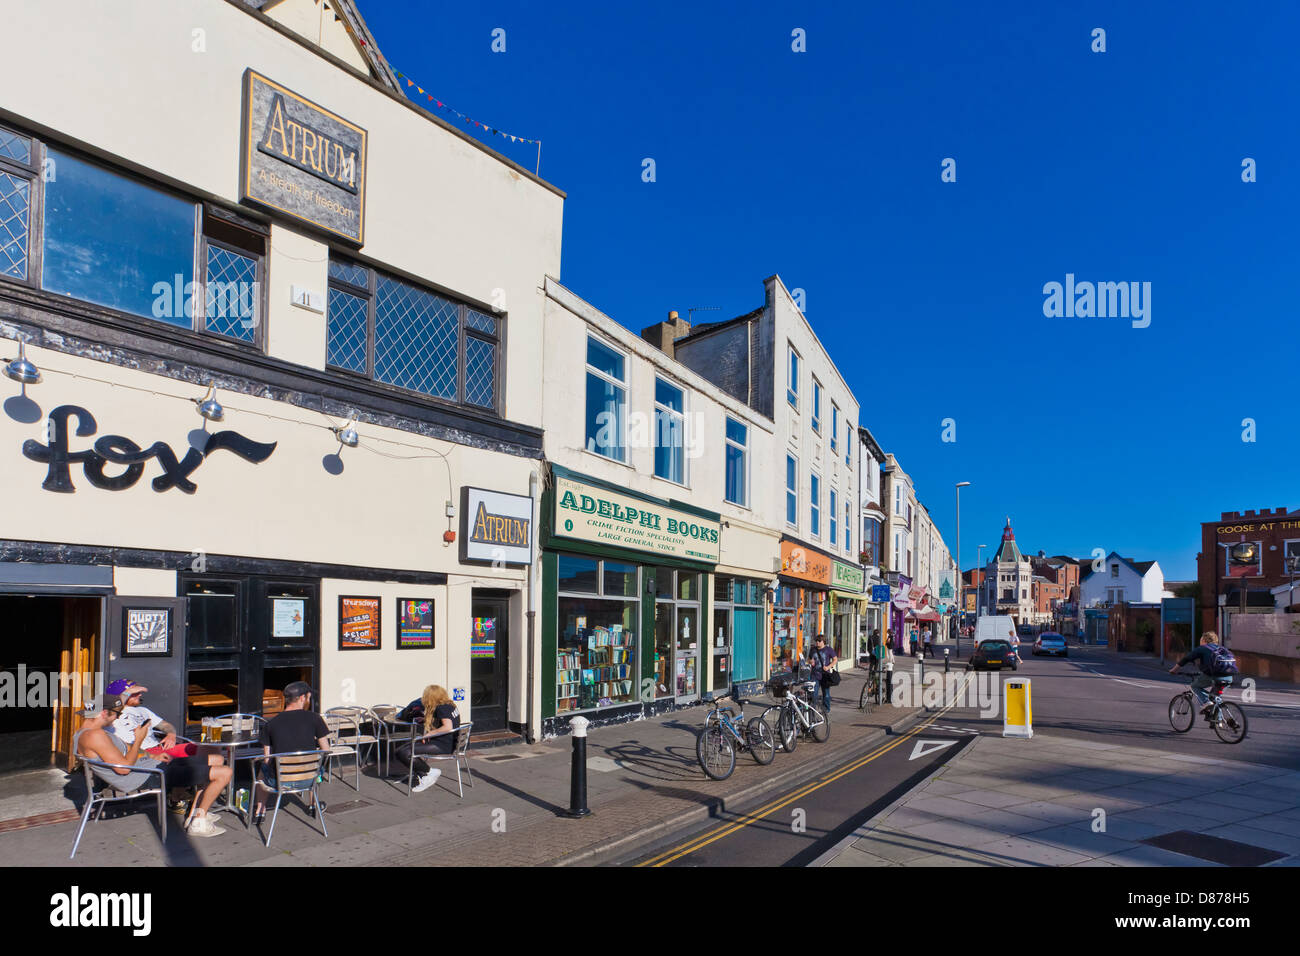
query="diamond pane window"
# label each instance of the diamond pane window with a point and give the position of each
(231, 293)
(350, 272)
(15, 213)
(15, 147)
(480, 322)
(416, 339)
(348, 323)
(480, 372)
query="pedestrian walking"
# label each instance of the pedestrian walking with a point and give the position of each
(823, 660)
(927, 641)
(912, 638)
(887, 662)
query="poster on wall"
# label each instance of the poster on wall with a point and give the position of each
(358, 623)
(288, 617)
(147, 632)
(483, 645)
(414, 623)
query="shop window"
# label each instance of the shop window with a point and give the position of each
(405, 335)
(664, 583)
(688, 586)
(596, 661)
(578, 574)
(117, 242)
(737, 456)
(670, 429)
(606, 401)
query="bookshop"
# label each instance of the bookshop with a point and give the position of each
(626, 581)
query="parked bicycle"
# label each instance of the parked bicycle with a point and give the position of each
(795, 714)
(1226, 717)
(725, 732)
(871, 687)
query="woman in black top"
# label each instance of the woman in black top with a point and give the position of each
(441, 719)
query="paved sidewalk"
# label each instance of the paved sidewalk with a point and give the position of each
(1057, 801)
(643, 782)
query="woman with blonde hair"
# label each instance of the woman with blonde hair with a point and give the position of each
(440, 717)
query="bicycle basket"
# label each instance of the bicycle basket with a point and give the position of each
(779, 685)
(805, 673)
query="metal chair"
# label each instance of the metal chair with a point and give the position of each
(106, 775)
(458, 753)
(362, 716)
(294, 773)
(344, 736)
(380, 714)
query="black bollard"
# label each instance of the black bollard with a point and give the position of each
(945, 660)
(578, 773)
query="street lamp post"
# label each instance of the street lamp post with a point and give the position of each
(979, 595)
(958, 493)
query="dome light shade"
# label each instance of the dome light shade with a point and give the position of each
(347, 432)
(209, 407)
(21, 370)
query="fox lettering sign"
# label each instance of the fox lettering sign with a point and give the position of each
(588, 513)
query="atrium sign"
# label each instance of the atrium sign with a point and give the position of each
(590, 513)
(302, 160)
(496, 527)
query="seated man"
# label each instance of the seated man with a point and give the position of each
(199, 771)
(294, 729)
(134, 713)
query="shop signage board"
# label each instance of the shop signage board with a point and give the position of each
(597, 515)
(847, 577)
(301, 160)
(496, 527)
(805, 563)
(359, 623)
(288, 617)
(947, 586)
(880, 593)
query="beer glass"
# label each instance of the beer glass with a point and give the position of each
(216, 730)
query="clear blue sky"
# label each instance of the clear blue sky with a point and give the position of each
(824, 167)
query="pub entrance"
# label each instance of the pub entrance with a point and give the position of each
(489, 660)
(248, 637)
(49, 665)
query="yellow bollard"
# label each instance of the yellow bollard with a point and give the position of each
(1017, 720)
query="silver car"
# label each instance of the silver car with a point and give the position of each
(1049, 642)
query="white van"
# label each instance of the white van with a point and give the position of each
(996, 626)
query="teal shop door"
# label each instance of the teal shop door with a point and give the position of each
(745, 644)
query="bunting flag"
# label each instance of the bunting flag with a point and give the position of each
(429, 97)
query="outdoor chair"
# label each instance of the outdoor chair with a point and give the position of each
(457, 754)
(295, 773)
(344, 734)
(157, 787)
(364, 739)
(380, 715)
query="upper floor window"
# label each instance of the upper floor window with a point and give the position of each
(835, 521)
(898, 499)
(670, 427)
(848, 526)
(792, 379)
(606, 400)
(848, 445)
(815, 511)
(835, 428)
(405, 335)
(19, 162)
(791, 490)
(817, 406)
(1114, 570)
(737, 459)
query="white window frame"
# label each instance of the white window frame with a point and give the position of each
(792, 378)
(683, 417)
(833, 507)
(848, 444)
(791, 490)
(622, 384)
(815, 505)
(816, 405)
(835, 428)
(728, 442)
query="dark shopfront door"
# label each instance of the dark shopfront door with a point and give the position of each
(489, 656)
(249, 636)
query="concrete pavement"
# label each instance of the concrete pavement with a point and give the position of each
(1060, 801)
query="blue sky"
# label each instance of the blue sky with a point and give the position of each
(824, 167)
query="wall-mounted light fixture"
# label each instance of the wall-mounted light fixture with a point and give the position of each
(209, 407)
(21, 370)
(347, 432)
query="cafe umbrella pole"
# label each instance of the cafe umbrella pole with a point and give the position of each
(578, 773)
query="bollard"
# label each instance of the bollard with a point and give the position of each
(1018, 716)
(578, 773)
(945, 660)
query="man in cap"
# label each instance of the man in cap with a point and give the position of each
(97, 742)
(134, 714)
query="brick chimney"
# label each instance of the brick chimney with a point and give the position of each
(661, 335)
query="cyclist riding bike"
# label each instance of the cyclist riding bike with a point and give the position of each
(1216, 665)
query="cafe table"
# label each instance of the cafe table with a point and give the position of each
(230, 743)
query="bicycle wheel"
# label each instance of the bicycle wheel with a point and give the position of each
(1231, 725)
(821, 724)
(761, 741)
(786, 731)
(716, 753)
(868, 695)
(1182, 713)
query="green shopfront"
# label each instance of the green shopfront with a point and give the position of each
(627, 583)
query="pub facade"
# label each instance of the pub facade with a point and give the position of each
(257, 312)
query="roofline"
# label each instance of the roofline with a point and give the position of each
(393, 94)
(873, 446)
(712, 327)
(813, 332)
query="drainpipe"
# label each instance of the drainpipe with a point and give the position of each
(529, 736)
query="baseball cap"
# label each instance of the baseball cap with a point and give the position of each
(124, 687)
(110, 702)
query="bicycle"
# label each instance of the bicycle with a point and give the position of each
(871, 687)
(716, 745)
(796, 716)
(1227, 718)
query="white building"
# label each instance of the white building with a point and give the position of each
(871, 504)
(1008, 581)
(1122, 580)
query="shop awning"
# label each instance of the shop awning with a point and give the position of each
(926, 616)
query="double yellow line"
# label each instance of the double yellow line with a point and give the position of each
(701, 842)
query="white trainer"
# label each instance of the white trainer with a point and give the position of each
(427, 781)
(204, 827)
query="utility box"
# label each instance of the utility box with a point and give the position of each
(1017, 708)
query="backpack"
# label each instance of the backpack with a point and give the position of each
(1224, 664)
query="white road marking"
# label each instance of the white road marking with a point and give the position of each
(924, 748)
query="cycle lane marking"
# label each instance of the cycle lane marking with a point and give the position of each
(701, 842)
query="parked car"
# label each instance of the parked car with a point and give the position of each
(1049, 642)
(994, 652)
